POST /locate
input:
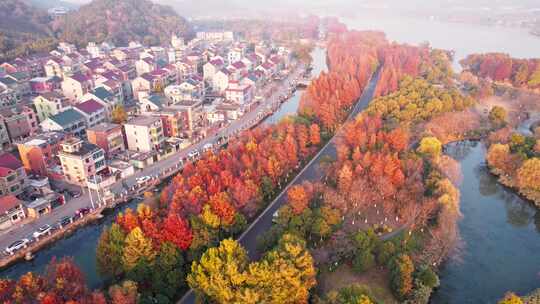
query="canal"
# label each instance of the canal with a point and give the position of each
(81, 245)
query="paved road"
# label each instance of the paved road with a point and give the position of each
(310, 172)
(155, 170)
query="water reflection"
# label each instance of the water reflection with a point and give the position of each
(501, 236)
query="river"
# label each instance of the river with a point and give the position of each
(81, 245)
(500, 234)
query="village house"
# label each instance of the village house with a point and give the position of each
(38, 152)
(80, 160)
(144, 134)
(49, 104)
(12, 211)
(93, 112)
(107, 136)
(75, 86)
(13, 177)
(69, 121)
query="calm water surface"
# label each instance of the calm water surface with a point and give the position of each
(500, 233)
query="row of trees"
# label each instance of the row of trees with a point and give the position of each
(501, 67)
(418, 100)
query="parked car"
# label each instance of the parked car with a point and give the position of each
(66, 220)
(74, 194)
(193, 154)
(17, 245)
(82, 212)
(207, 147)
(142, 179)
(43, 230)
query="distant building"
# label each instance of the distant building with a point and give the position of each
(108, 137)
(144, 134)
(216, 36)
(80, 160)
(13, 178)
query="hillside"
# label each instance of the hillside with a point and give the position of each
(22, 28)
(26, 29)
(120, 21)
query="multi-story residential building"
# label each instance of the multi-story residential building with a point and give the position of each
(221, 79)
(69, 121)
(53, 67)
(13, 178)
(11, 211)
(144, 134)
(211, 68)
(41, 85)
(239, 93)
(49, 104)
(81, 160)
(75, 86)
(193, 114)
(107, 136)
(93, 112)
(146, 65)
(38, 152)
(20, 121)
(234, 55)
(187, 90)
(143, 83)
(174, 122)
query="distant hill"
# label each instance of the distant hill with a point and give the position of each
(46, 4)
(120, 21)
(25, 28)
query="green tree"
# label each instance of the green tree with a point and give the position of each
(402, 276)
(168, 275)
(385, 252)
(428, 277)
(137, 247)
(363, 261)
(110, 250)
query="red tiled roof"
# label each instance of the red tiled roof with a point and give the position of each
(7, 160)
(8, 202)
(90, 106)
(239, 65)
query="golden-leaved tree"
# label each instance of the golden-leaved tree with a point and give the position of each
(284, 275)
(137, 247)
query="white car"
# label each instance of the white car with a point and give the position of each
(193, 154)
(17, 245)
(43, 230)
(208, 146)
(142, 179)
